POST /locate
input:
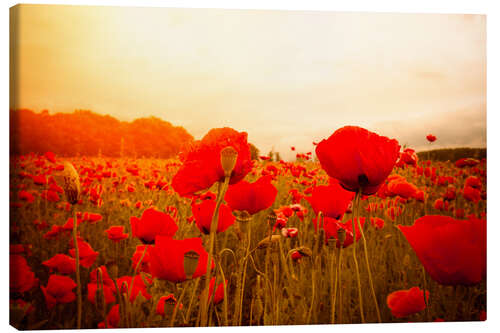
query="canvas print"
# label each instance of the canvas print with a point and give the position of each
(212, 167)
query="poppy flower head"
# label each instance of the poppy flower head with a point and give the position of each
(202, 165)
(22, 278)
(59, 290)
(167, 258)
(452, 251)
(151, 224)
(358, 158)
(62, 263)
(332, 200)
(204, 211)
(406, 302)
(251, 197)
(116, 234)
(431, 137)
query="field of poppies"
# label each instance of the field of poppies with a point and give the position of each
(358, 231)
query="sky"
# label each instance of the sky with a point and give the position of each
(287, 78)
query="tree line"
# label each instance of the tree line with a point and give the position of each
(86, 133)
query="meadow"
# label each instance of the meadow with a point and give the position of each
(281, 234)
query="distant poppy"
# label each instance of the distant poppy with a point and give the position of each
(406, 302)
(402, 188)
(332, 200)
(92, 217)
(167, 258)
(26, 196)
(251, 197)
(473, 182)
(471, 194)
(115, 233)
(431, 137)
(62, 263)
(151, 224)
(59, 289)
(22, 278)
(204, 211)
(451, 251)
(289, 232)
(408, 157)
(202, 165)
(358, 158)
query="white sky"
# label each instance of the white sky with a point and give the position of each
(287, 78)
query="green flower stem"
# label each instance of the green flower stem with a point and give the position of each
(358, 279)
(367, 261)
(77, 272)
(211, 244)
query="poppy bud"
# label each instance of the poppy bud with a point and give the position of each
(190, 263)
(71, 183)
(228, 157)
(271, 219)
(341, 235)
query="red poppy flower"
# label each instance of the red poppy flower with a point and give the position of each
(151, 224)
(40, 180)
(169, 299)
(331, 200)
(92, 217)
(62, 263)
(204, 211)
(471, 194)
(58, 290)
(431, 138)
(296, 256)
(139, 287)
(473, 182)
(86, 253)
(26, 196)
(358, 158)
(201, 161)
(289, 232)
(408, 157)
(406, 302)
(113, 318)
(50, 156)
(115, 233)
(252, 197)
(167, 258)
(22, 278)
(402, 188)
(53, 232)
(50, 196)
(451, 251)
(219, 292)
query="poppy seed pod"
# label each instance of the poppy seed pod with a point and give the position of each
(190, 263)
(228, 157)
(271, 219)
(243, 218)
(71, 183)
(341, 235)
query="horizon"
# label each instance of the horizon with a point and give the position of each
(273, 74)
